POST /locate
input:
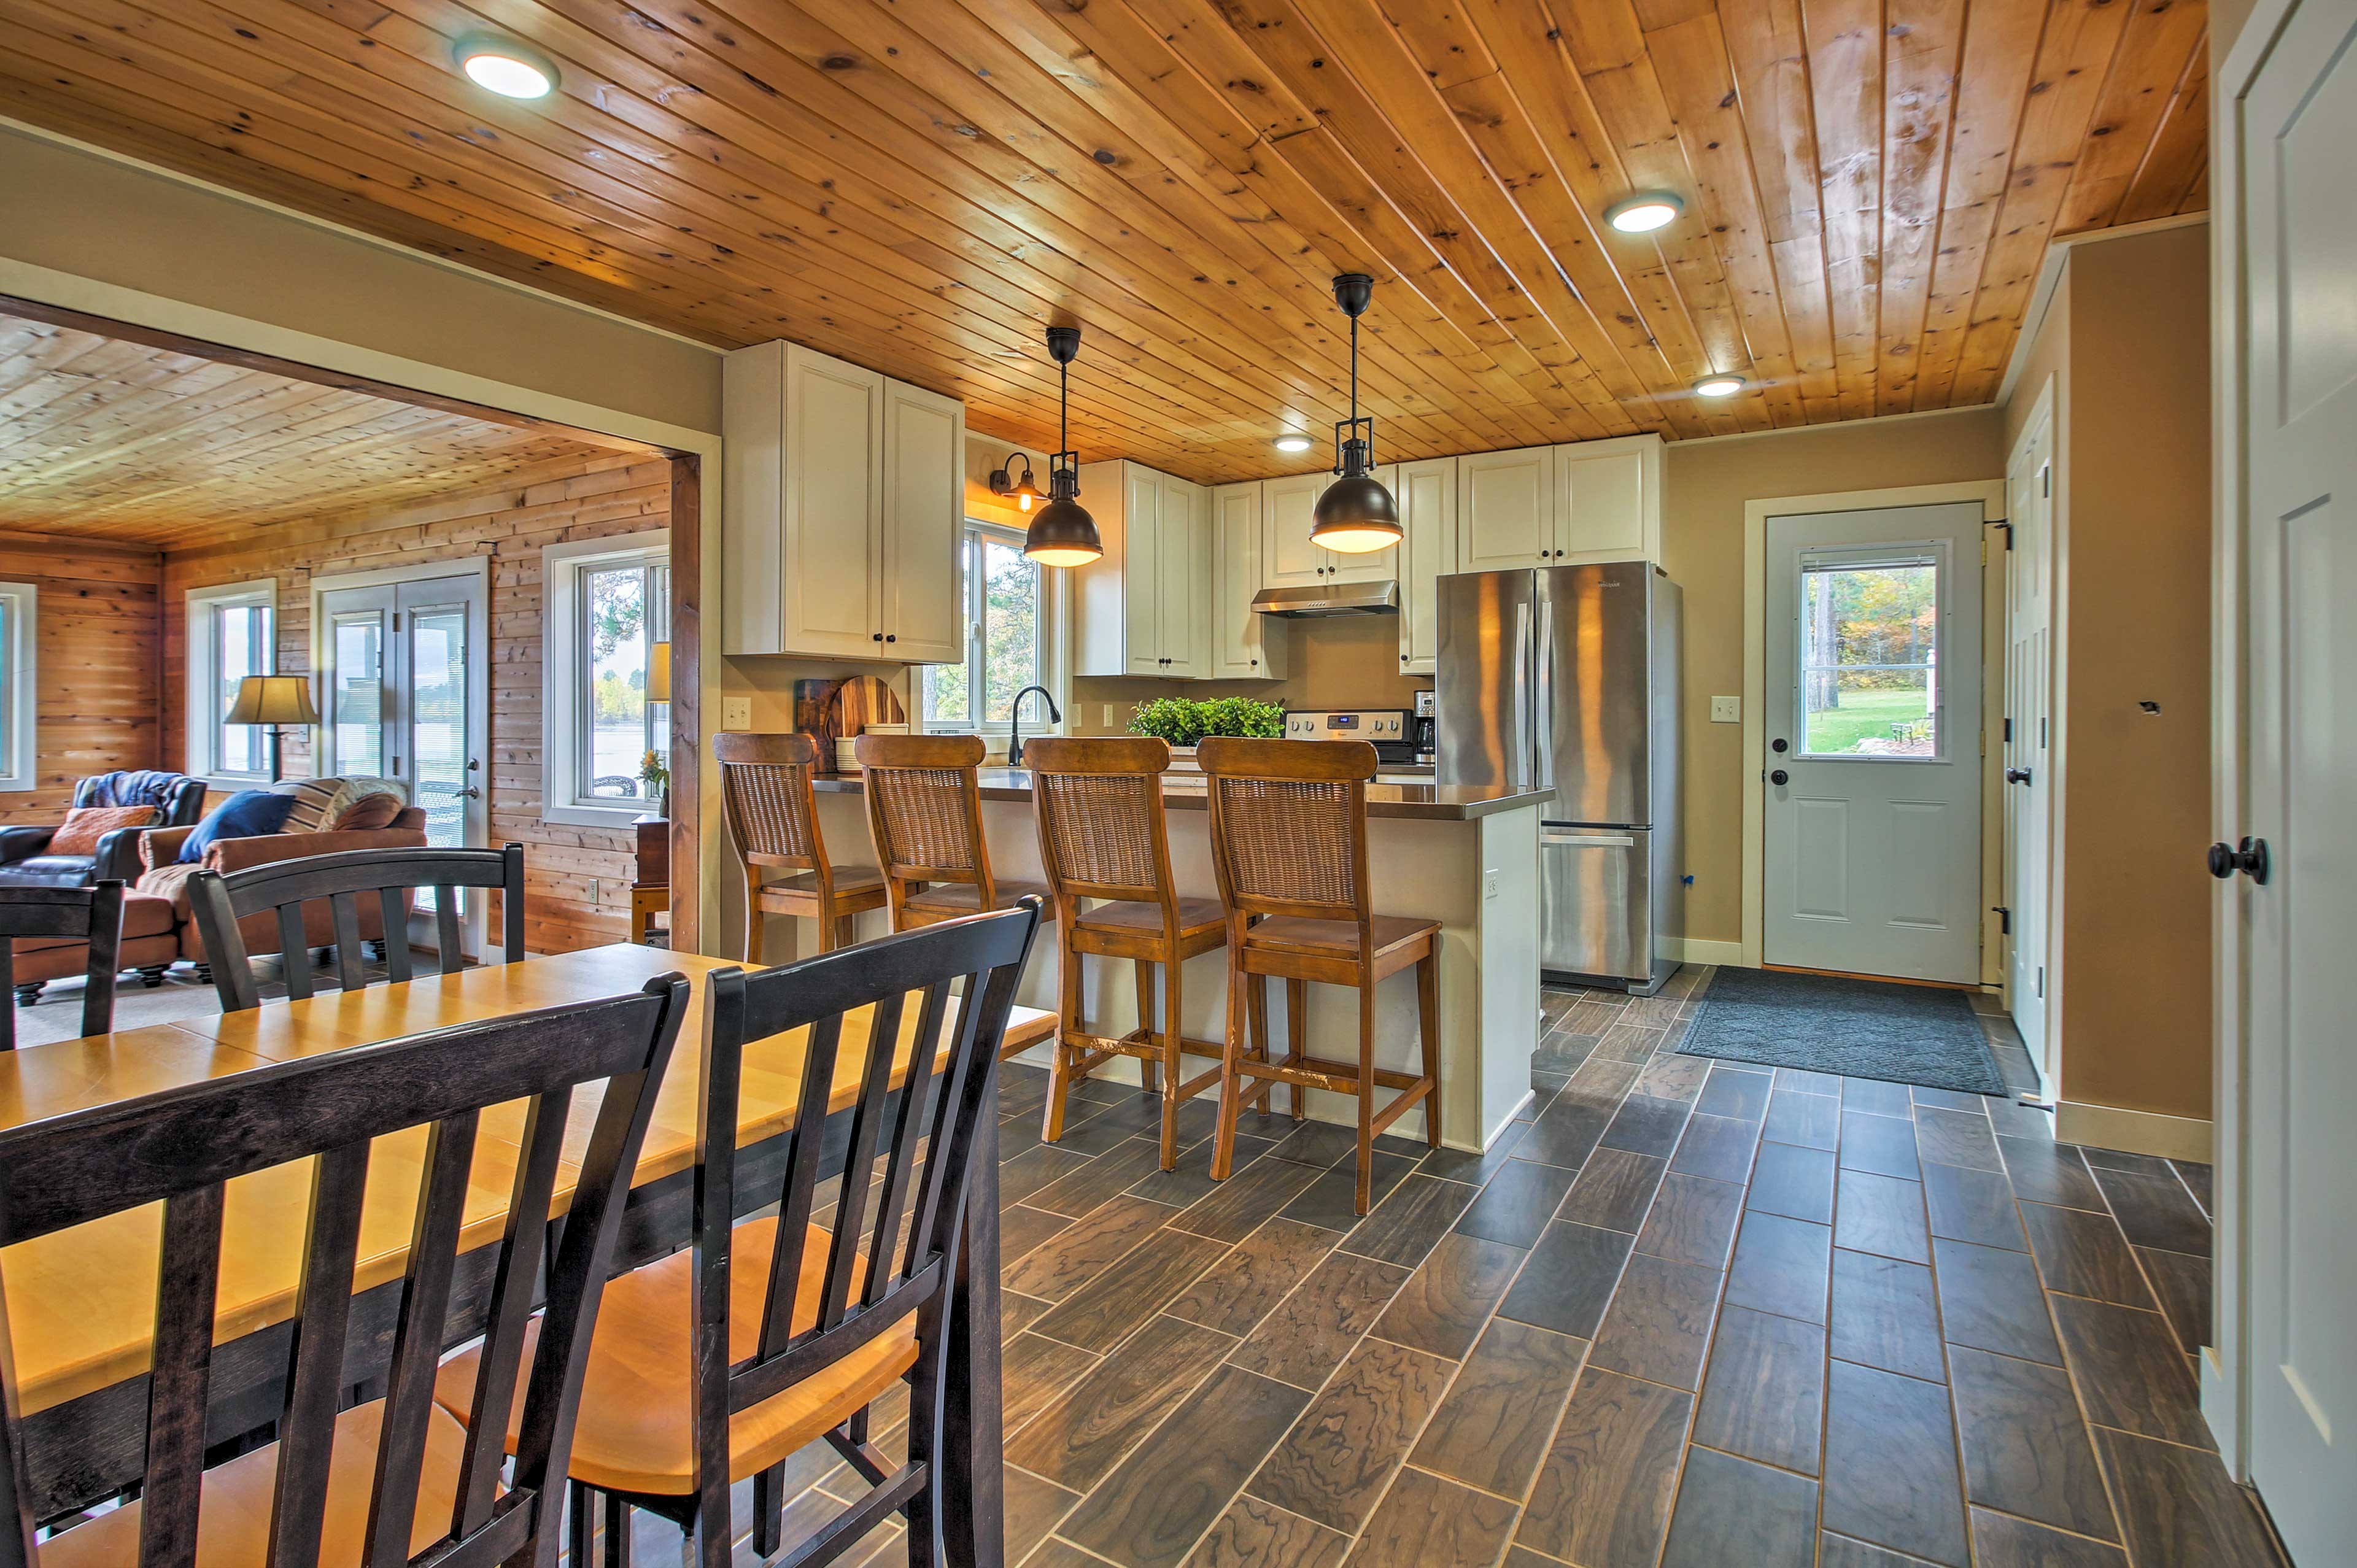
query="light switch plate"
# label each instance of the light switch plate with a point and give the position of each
(1107, 720)
(735, 713)
(1727, 710)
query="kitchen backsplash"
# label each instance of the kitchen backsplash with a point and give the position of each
(1347, 661)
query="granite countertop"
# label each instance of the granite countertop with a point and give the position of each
(1184, 793)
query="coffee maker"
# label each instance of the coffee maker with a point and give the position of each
(1421, 729)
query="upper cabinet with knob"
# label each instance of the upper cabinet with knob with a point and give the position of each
(844, 495)
(1559, 506)
(1426, 491)
(1245, 645)
(1288, 560)
(1143, 608)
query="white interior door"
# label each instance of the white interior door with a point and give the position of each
(2029, 676)
(2299, 228)
(1873, 779)
(404, 666)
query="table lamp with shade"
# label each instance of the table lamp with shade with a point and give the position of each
(274, 700)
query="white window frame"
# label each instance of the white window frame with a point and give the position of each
(20, 699)
(1054, 668)
(203, 717)
(561, 566)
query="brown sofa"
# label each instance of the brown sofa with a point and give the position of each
(166, 878)
(151, 941)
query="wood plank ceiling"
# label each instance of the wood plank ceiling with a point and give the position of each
(103, 439)
(921, 185)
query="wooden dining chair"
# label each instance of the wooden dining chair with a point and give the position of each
(767, 798)
(924, 811)
(720, 1362)
(1290, 846)
(231, 909)
(1102, 835)
(95, 915)
(393, 1480)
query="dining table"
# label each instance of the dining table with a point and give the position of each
(81, 1303)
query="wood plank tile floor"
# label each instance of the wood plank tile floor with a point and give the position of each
(1683, 1314)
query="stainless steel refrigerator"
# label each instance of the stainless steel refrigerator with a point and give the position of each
(1566, 677)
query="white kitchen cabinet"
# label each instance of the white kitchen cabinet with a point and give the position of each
(1289, 511)
(842, 498)
(1609, 501)
(1245, 646)
(1136, 609)
(1427, 493)
(1558, 506)
(1505, 508)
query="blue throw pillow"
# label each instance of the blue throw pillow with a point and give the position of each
(248, 814)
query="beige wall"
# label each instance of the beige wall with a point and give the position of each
(1705, 485)
(2133, 928)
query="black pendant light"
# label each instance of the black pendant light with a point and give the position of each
(1356, 514)
(1063, 533)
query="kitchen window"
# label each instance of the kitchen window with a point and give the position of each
(1010, 640)
(233, 630)
(608, 612)
(20, 761)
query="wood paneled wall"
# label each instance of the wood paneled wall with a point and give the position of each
(95, 659)
(577, 879)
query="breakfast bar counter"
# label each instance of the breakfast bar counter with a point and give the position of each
(1466, 856)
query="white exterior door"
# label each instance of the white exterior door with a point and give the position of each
(1874, 681)
(2029, 676)
(2299, 120)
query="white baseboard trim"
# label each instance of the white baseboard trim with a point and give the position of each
(2132, 1131)
(1701, 949)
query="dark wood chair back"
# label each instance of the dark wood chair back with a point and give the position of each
(924, 810)
(219, 901)
(1103, 832)
(884, 1266)
(179, 1148)
(1289, 825)
(93, 914)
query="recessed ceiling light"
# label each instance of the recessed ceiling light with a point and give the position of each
(1294, 443)
(1718, 386)
(1646, 212)
(505, 67)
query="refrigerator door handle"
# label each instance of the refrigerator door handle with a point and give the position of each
(1586, 841)
(1525, 767)
(1542, 700)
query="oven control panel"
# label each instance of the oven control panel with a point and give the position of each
(1362, 723)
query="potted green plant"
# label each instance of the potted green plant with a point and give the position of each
(1185, 721)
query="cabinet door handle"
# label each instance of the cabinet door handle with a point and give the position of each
(879, 636)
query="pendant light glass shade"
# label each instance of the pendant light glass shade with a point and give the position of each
(1063, 533)
(1355, 514)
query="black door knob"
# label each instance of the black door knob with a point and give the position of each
(2017, 774)
(1776, 745)
(879, 636)
(1780, 777)
(892, 637)
(2249, 857)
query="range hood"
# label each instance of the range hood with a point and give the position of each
(1332, 599)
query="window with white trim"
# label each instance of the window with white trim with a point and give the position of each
(1009, 639)
(606, 605)
(233, 632)
(20, 757)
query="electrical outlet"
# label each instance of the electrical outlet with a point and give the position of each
(1727, 710)
(1488, 884)
(735, 713)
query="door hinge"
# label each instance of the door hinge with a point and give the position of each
(2008, 729)
(2041, 734)
(2046, 480)
(2004, 919)
(2041, 982)
(1997, 523)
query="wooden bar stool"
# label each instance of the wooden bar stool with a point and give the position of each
(924, 811)
(1290, 843)
(772, 813)
(1102, 835)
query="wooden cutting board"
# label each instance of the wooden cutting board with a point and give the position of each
(866, 700)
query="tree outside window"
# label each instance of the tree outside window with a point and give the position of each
(1005, 647)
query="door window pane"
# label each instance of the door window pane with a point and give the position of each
(1870, 659)
(357, 703)
(438, 720)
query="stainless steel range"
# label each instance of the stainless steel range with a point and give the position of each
(1388, 728)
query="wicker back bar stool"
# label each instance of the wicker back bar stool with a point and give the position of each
(1102, 835)
(924, 811)
(1290, 843)
(772, 813)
